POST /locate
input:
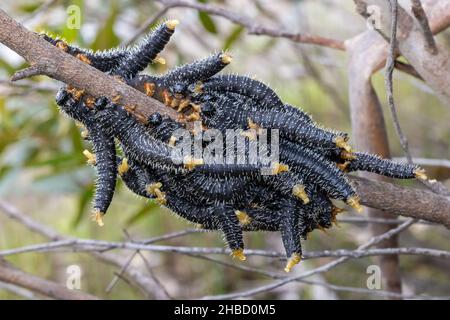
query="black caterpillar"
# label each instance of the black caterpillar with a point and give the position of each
(232, 197)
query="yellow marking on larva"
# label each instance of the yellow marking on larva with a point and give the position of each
(79, 124)
(250, 134)
(354, 203)
(116, 98)
(253, 125)
(171, 24)
(292, 261)
(149, 88)
(238, 254)
(76, 93)
(159, 60)
(62, 45)
(299, 191)
(84, 134)
(90, 102)
(172, 141)
(420, 174)
(198, 87)
(226, 58)
(190, 162)
(97, 216)
(193, 117)
(166, 97)
(196, 107)
(183, 105)
(91, 160)
(243, 217)
(334, 212)
(155, 189)
(174, 103)
(343, 166)
(341, 143)
(123, 167)
(83, 58)
(279, 168)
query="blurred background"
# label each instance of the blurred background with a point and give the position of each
(44, 173)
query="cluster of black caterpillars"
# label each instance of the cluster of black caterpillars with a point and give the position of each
(294, 199)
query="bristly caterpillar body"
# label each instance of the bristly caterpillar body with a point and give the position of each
(294, 200)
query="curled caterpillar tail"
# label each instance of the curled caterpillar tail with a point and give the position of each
(372, 163)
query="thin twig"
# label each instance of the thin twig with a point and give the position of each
(42, 8)
(421, 16)
(145, 283)
(155, 278)
(277, 275)
(253, 27)
(389, 70)
(321, 269)
(80, 245)
(443, 163)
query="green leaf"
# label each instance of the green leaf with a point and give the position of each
(207, 22)
(141, 213)
(233, 36)
(106, 37)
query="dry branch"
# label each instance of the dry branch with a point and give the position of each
(141, 280)
(47, 60)
(47, 288)
(253, 27)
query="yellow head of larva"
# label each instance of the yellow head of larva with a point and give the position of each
(171, 24)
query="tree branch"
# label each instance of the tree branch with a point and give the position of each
(276, 284)
(145, 283)
(48, 288)
(48, 60)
